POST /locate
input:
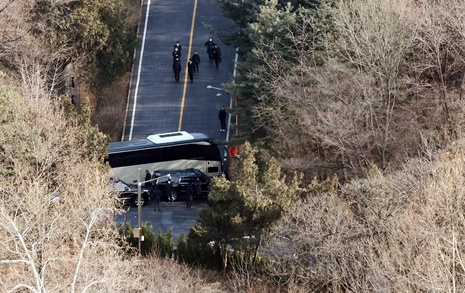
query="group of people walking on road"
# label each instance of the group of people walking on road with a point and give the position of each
(177, 60)
(213, 51)
(214, 55)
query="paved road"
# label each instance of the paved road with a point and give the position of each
(175, 216)
(156, 101)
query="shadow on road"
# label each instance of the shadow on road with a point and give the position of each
(176, 216)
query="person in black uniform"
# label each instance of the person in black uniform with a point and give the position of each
(148, 176)
(197, 188)
(196, 59)
(216, 54)
(222, 116)
(190, 195)
(176, 54)
(190, 70)
(176, 69)
(177, 46)
(209, 44)
(156, 195)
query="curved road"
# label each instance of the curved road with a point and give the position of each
(156, 102)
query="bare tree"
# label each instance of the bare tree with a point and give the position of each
(342, 110)
(439, 56)
(56, 212)
(13, 27)
(376, 37)
(371, 96)
(386, 233)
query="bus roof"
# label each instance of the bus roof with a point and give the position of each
(170, 137)
(158, 140)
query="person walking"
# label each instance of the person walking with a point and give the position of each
(209, 44)
(177, 46)
(190, 70)
(222, 116)
(197, 188)
(153, 182)
(216, 54)
(176, 54)
(169, 191)
(156, 195)
(196, 59)
(190, 195)
(176, 69)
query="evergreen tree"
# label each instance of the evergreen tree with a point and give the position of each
(272, 37)
(243, 210)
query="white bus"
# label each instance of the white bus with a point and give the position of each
(166, 151)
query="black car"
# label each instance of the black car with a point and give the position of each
(128, 193)
(180, 180)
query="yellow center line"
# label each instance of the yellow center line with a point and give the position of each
(185, 73)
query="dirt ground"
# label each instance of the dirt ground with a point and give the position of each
(109, 110)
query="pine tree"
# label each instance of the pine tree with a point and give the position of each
(242, 211)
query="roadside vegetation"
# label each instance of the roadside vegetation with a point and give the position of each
(330, 87)
(350, 176)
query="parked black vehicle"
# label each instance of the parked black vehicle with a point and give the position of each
(128, 193)
(180, 180)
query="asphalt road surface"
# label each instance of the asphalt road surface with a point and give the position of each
(157, 103)
(175, 216)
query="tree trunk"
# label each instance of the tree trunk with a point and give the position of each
(257, 245)
(224, 257)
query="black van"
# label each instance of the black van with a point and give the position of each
(180, 180)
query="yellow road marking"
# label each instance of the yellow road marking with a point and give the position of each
(185, 74)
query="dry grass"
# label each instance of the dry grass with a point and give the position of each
(164, 275)
(110, 108)
(110, 104)
(133, 12)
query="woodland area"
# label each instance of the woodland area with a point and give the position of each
(352, 154)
